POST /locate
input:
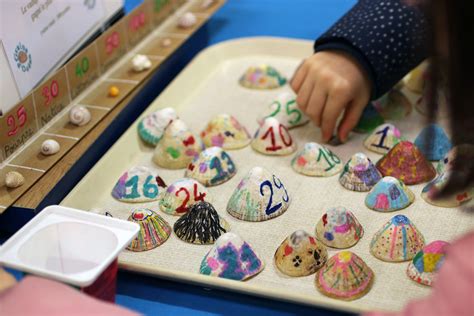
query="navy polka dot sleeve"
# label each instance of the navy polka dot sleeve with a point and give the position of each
(387, 38)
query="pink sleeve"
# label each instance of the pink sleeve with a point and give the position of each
(37, 296)
(453, 292)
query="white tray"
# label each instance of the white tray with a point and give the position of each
(209, 86)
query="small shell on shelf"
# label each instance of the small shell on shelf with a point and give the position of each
(205, 4)
(166, 42)
(79, 115)
(187, 20)
(14, 179)
(140, 63)
(50, 147)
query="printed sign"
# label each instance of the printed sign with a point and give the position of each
(36, 34)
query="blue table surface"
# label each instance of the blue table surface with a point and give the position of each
(305, 19)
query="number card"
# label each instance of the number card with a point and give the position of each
(17, 126)
(139, 23)
(83, 70)
(51, 97)
(112, 45)
(161, 10)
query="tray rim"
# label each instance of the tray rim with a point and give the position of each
(194, 277)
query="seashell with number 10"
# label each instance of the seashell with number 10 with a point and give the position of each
(273, 138)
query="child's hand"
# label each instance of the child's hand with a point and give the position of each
(328, 83)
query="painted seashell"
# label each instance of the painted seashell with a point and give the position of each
(231, 258)
(273, 138)
(79, 115)
(138, 184)
(447, 162)
(431, 190)
(424, 267)
(441, 102)
(433, 142)
(152, 126)
(300, 254)
(181, 194)
(406, 163)
(317, 161)
(187, 20)
(415, 80)
(388, 195)
(339, 228)
(166, 42)
(345, 277)
(213, 166)
(285, 110)
(359, 174)
(14, 179)
(262, 77)
(201, 224)
(178, 146)
(260, 196)
(50, 147)
(225, 131)
(383, 138)
(393, 105)
(140, 63)
(154, 230)
(398, 240)
(369, 120)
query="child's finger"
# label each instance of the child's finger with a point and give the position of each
(316, 104)
(299, 76)
(304, 93)
(350, 119)
(331, 112)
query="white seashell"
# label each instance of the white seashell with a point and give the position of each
(14, 179)
(207, 3)
(166, 42)
(187, 20)
(140, 63)
(50, 147)
(79, 115)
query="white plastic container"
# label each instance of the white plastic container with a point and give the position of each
(68, 245)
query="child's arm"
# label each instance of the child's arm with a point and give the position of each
(359, 58)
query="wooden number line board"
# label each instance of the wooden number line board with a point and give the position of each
(85, 80)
